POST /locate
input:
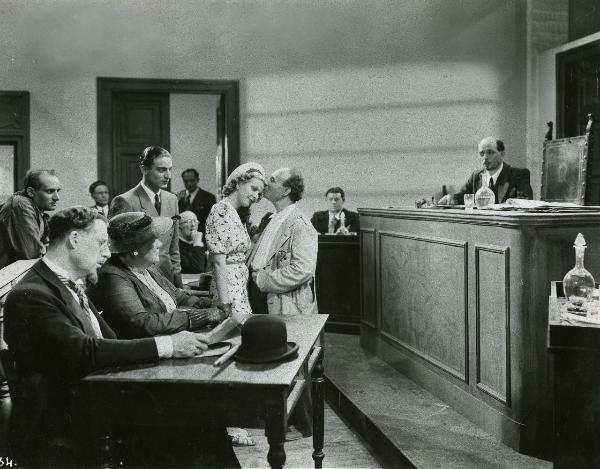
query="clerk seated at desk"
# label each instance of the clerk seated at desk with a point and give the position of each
(505, 181)
(337, 219)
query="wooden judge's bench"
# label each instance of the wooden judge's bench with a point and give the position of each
(458, 301)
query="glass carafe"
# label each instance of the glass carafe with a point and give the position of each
(484, 196)
(578, 283)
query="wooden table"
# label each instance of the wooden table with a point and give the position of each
(575, 351)
(184, 391)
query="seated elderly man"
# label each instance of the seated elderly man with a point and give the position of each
(137, 299)
(191, 247)
(57, 336)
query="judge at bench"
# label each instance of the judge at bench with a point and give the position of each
(505, 181)
(57, 336)
(337, 219)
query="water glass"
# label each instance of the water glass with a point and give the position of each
(469, 201)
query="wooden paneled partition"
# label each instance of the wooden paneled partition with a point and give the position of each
(458, 301)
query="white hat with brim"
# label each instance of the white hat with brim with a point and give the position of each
(130, 231)
(250, 167)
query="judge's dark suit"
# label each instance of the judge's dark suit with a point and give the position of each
(320, 221)
(200, 206)
(51, 338)
(137, 200)
(511, 183)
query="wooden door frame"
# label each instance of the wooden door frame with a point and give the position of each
(228, 90)
(16, 131)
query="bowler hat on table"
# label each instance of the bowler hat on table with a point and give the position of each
(264, 340)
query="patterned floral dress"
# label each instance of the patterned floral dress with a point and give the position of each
(225, 234)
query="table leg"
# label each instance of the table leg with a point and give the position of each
(275, 430)
(318, 396)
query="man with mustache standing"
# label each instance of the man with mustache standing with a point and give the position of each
(23, 221)
(151, 196)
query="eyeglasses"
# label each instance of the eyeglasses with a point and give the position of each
(189, 222)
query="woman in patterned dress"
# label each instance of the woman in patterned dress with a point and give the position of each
(228, 241)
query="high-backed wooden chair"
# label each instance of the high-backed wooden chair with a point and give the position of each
(569, 169)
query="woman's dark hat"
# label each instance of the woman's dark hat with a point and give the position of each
(264, 340)
(130, 231)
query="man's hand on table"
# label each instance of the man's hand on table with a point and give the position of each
(187, 344)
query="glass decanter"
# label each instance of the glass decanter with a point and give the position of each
(578, 283)
(484, 196)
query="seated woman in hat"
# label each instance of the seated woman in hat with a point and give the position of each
(228, 240)
(137, 300)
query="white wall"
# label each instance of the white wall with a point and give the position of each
(387, 99)
(194, 138)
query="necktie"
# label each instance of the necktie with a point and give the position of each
(492, 186)
(187, 202)
(83, 302)
(157, 203)
(45, 230)
(331, 225)
(264, 222)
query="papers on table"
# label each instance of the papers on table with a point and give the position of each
(537, 206)
(226, 330)
(220, 348)
(584, 319)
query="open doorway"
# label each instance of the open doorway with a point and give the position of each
(135, 113)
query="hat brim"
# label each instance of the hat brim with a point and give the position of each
(158, 227)
(292, 348)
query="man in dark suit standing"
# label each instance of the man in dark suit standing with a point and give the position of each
(505, 181)
(56, 337)
(194, 198)
(101, 195)
(336, 220)
(151, 196)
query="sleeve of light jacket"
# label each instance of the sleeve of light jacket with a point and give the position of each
(302, 265)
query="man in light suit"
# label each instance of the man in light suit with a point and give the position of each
(151, 196)
(284, 259)
(283, 263)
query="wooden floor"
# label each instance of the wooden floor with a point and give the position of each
(343, 448)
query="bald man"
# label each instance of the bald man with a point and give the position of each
(505, 181)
